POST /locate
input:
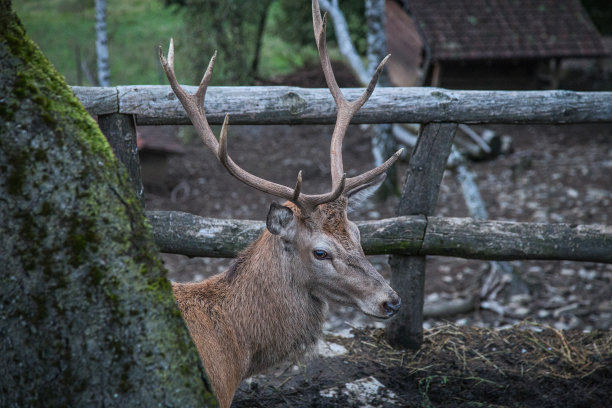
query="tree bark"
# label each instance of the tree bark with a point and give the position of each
(86, 313)
(261, 25)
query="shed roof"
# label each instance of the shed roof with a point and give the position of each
(499, 29)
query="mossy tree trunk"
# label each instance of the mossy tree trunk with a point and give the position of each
(87, 316)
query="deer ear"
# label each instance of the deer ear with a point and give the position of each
(280, 221)
(359, 194)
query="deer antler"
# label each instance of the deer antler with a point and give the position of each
(346, 108)
(194, 106)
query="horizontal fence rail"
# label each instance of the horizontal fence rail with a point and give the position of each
(188, 234)
(157, 105)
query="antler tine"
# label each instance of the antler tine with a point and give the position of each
(312, 201)
(298, 187)
(168, 66)
(370, 175)
(306, 203)
(359, 102)
(346, 109)
(201, 92)
(194, 106)
(249, 179)
(320, 27)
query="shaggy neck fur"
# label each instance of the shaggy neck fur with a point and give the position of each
(269, 304)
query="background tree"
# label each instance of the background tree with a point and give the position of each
(233, 27)
(102, 44)
(87, 315)
(293, 23)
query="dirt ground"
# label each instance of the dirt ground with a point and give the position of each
(486, 357)
(455, 367)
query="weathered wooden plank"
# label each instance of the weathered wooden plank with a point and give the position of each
(182, 233)
(419, 197)
(498, 240)
(381, 236)
(120, 131)
(97, 100)
(292, 105)
(188, 234)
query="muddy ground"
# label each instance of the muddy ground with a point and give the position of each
(479, 358)
(455, 367)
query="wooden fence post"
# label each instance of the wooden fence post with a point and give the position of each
(120, 131)
(419, 197)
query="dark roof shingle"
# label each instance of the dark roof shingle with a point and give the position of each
(493, 29)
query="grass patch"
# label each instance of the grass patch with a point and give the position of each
(65, 28)
(65, 32)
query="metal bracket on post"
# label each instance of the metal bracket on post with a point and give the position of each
(120, 131)
(419, 197)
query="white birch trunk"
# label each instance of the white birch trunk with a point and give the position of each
(344, 40)
(102, 44)
(383, 144)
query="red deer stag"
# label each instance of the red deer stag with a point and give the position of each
(270, 305)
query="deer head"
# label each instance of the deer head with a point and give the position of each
(314, 229)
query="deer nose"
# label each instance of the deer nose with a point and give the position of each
(392, 307)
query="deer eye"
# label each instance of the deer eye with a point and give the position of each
(321, 254)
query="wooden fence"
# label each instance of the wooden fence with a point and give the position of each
(415, 233)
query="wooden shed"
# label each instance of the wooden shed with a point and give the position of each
(487, 44)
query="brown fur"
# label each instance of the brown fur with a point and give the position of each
(245, 323)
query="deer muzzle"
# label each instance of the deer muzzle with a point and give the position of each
(392, 306)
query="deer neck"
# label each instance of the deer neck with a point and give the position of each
(274, 315)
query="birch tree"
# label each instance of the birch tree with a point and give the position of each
(102, 44)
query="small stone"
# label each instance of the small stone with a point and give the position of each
(588, 275)
(567, 272)
(572, 193)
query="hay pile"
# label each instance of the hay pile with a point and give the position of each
(523, 366)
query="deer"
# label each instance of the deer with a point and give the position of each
(271, 303)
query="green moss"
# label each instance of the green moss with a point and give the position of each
(39, 82)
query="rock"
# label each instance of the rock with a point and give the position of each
(329, 349)
(366, 392)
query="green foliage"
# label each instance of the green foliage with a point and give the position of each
(292, 21)
(229, 26)
(65, 29)
(232, 28)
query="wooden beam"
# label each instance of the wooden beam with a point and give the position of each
(419, 197)
(157, 105)
(192, 235)
(120, 131)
